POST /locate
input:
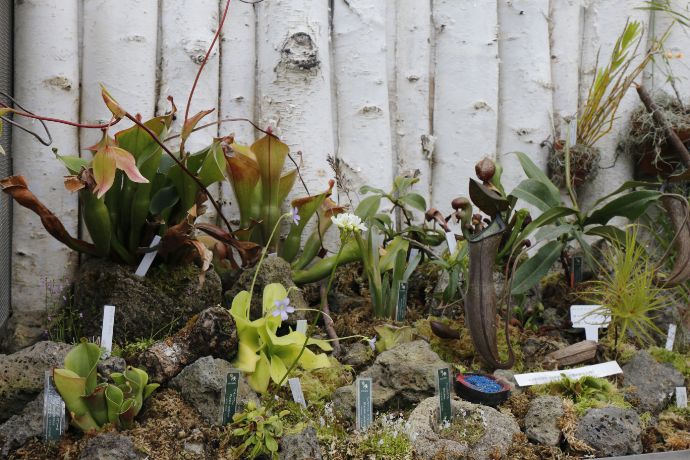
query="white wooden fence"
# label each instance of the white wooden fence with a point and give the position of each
(386, 86)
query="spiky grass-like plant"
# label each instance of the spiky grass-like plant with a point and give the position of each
(626, 291)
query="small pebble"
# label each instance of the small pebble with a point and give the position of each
(483, 384)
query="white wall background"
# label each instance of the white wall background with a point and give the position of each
(385, 86)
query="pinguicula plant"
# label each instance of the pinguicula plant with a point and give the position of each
(94, 405)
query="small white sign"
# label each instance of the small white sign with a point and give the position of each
(107, 332)
(671, 337)
(301, 326)
(595, 370)
(452, 242)
(590, 318)
(681, 397)
(296, 389)
(146, 262)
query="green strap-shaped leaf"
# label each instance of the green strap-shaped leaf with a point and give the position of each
(534, 172)
(536, 193)
(631, 206)
(535, 268)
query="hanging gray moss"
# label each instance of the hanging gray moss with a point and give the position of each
(584, 164)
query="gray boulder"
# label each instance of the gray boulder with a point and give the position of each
(359, 355)
(18, 429)
(300, 446)
(402, 377)
(22, 374)
(477, 431)
(541, 420)
(612, 431)
(111, 446)
(201, 385)
(23, 329)
(273, 270)
(650, 385)
(159, 303)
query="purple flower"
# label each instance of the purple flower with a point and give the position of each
(372, 343)
(295, 216)
(283, 308)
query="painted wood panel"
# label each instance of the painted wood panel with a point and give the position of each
(466, 94)
(46, 81)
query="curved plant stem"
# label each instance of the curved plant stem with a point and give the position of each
(263, 254)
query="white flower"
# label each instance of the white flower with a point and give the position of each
(349, 222)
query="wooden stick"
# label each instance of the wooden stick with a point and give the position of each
(327, 321)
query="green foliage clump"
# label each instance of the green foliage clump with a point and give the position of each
(680, 361)
(318, 385)
(586, 393)
(386, 438)
(256, 431)
(627, 292)
(464, 428)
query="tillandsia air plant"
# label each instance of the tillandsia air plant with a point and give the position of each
(627, 291)
(94, 405)
(595, 118)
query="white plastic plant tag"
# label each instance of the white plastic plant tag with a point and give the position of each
(301, 326)
(681, 397)
(147, 260)
(595, 370)
(590, 319)
(671, 337)
(107, 332)
(452, 242)
(296, 389)
(364, 403)
(53, 410)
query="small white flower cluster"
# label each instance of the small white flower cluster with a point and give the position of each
(349, 222)
(396, 425)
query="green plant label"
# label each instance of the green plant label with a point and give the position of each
(401, 306)
(576, 271)
(681, 397)
(364, 407)
(296, 389)
(147, 260)
(53, 410)
(232, 383)
(443, 385)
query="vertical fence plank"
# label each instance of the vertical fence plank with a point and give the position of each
(604, 22)
(117, 34)
(294, 66)
(525, 99)
(673, 76)
(188, 27)
(46, 81)
(237, 83)
(466, 94)
(565, 31)
(364, 136)
(413, 57)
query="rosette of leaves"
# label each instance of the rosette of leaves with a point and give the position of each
(262, 354)
(258, 431)
(130, 191)
(261, 187)
(92, 405)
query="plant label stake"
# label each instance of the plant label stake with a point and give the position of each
(232, 384)
(401, 305)
(296, 389)
(681, 397)
(589, 318)
(364, 406)
(443, 386)
(671, 337)
(107, 332)
(451, 241)
(301, 326)
(575, 271)
(53, 410)
(147, 260)
(595, 370)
